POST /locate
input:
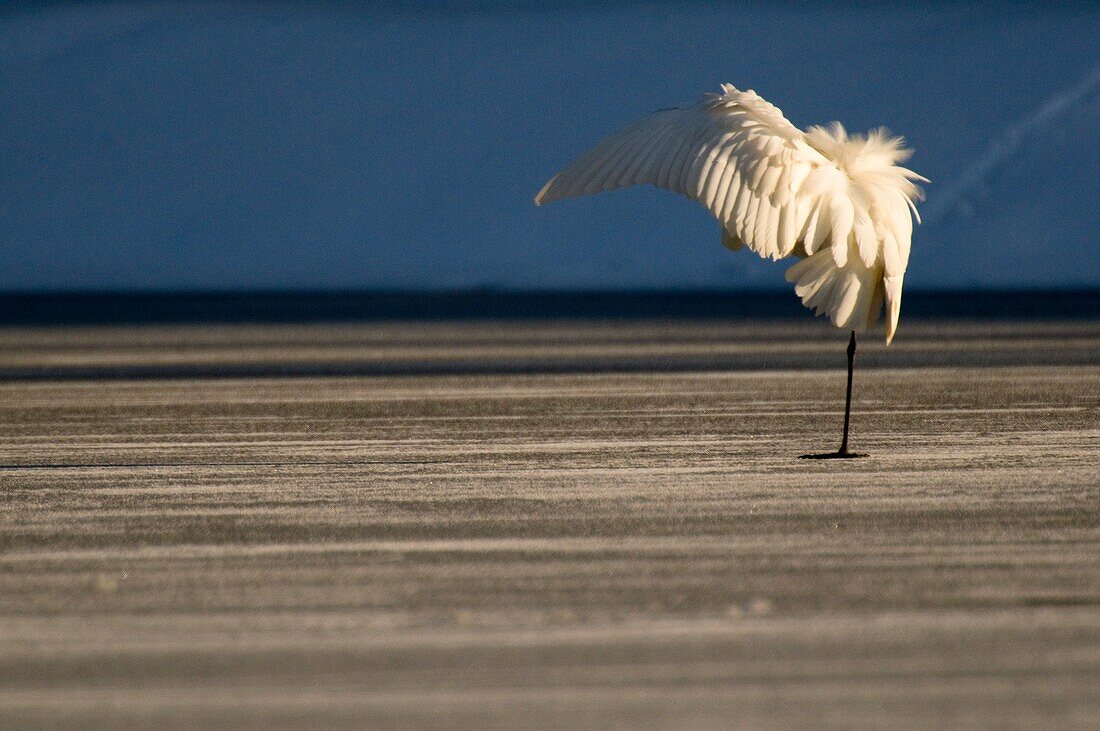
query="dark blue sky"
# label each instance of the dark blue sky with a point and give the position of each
(182, 146)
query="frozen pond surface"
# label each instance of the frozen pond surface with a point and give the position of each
(548, 524)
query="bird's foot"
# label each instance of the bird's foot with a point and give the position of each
(845, 454)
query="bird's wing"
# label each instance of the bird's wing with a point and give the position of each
(734, 152)
(774, 188)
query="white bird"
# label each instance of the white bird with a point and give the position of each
(839, 203)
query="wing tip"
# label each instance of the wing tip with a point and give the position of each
(892, 287)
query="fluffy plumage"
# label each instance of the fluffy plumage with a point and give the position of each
(840, 203)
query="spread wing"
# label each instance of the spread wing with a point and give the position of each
(774, 188)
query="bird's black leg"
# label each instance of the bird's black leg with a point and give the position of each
(848, 396)
(843, 452)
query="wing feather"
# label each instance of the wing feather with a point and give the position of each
(627, 165)
(740, 213)
(841, 215)
(710, 172)
(723, 204)
(699, 146)
(650, 158)
(670, 159)
(770, 181)
(747, 223)
(814, 233)
(653, 145)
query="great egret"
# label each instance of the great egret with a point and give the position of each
(839, 203)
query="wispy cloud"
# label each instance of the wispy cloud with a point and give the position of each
(1005, 146)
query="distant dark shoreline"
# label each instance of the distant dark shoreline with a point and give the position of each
(117, 308)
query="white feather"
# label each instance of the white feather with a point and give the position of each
(843, 201)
